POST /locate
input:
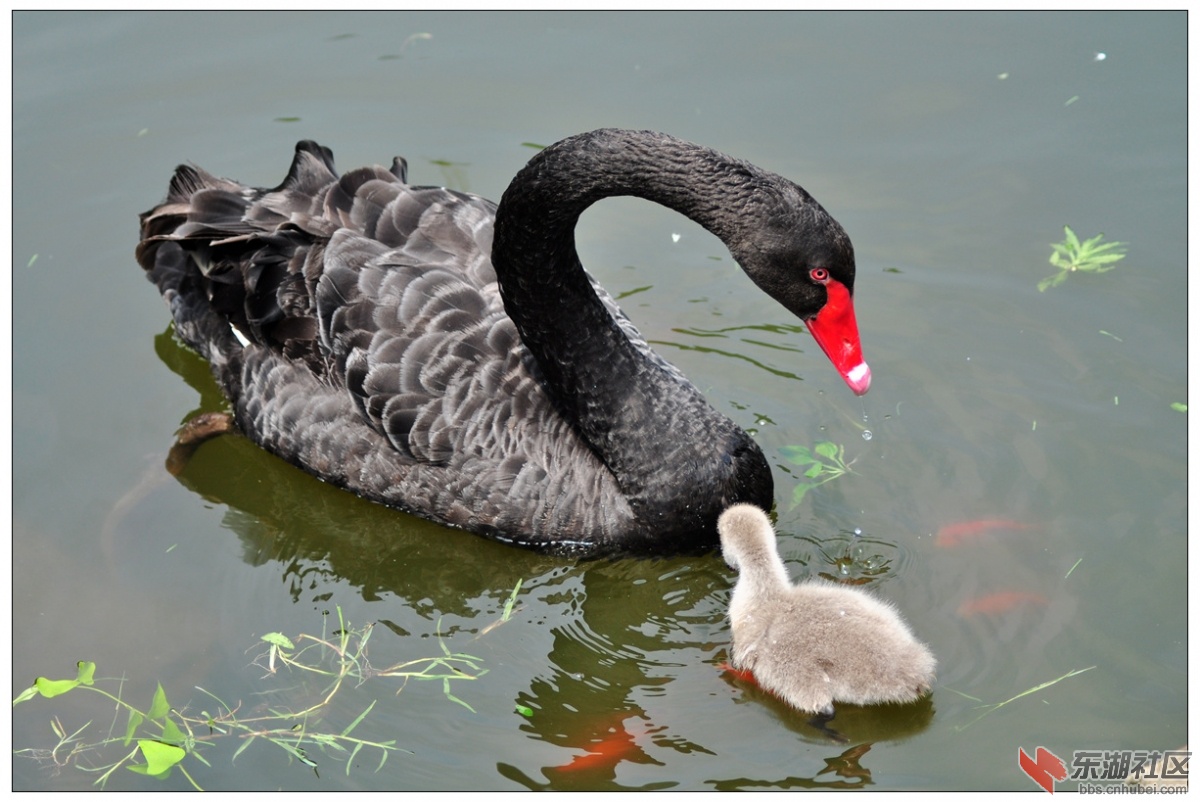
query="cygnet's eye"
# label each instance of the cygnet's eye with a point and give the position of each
(819, 275)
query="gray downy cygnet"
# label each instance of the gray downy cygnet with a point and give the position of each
(814, 643)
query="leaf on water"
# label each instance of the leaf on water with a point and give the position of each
(26, 695)
(159, 707)
(50, 688)
(353, 754)
(1178, 407)
(358, 720)
(159, 757)
(527, 712)
(453, 698)
(87, 670)
(508, 605)
(278, 639)
(135, 721)
(827, 449)
(172, 734)
(245, 744)
(797, 455)
(1052, 281)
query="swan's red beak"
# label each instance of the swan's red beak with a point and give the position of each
(836, 331)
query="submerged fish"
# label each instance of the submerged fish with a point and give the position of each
(956, 534)
(999, 603)
(616, 745)
(604, 755)
(742, 674)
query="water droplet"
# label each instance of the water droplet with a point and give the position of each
(867, 434)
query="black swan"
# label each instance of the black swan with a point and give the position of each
(437, 353)
(815, 643)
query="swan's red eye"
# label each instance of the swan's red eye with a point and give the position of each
(819, 275)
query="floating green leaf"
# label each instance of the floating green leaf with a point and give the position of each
(278, 639)
(1178, 407)
(172, 734)
(159, 706)
(135, 720)
(827, 449)
(160, 758)
(508, 605)
(358, 720)
(26, 695)
(54, 687)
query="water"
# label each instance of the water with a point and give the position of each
(953, 148)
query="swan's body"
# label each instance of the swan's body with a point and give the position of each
(815, 643)
(430, 351)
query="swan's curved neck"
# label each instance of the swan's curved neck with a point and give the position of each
(635, 416)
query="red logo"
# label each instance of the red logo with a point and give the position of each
(1043, 770)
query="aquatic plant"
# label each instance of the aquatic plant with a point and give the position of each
(1088, 256)
(823, 463)
(989, 708)
(157, 739)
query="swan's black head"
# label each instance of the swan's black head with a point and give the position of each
(800, 256)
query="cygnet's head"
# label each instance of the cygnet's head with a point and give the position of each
(744, 530)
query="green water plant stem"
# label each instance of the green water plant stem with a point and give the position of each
(996, 706)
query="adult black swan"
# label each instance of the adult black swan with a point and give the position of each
(437, 353)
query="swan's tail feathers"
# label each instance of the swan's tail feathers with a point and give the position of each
(237, 265)
(400, 169)
(312, 170)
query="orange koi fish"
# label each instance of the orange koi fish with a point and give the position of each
(605, 755)
(1000, 603)
(956, 534)
(742, 674)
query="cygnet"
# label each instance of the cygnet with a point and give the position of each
(815, 643)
